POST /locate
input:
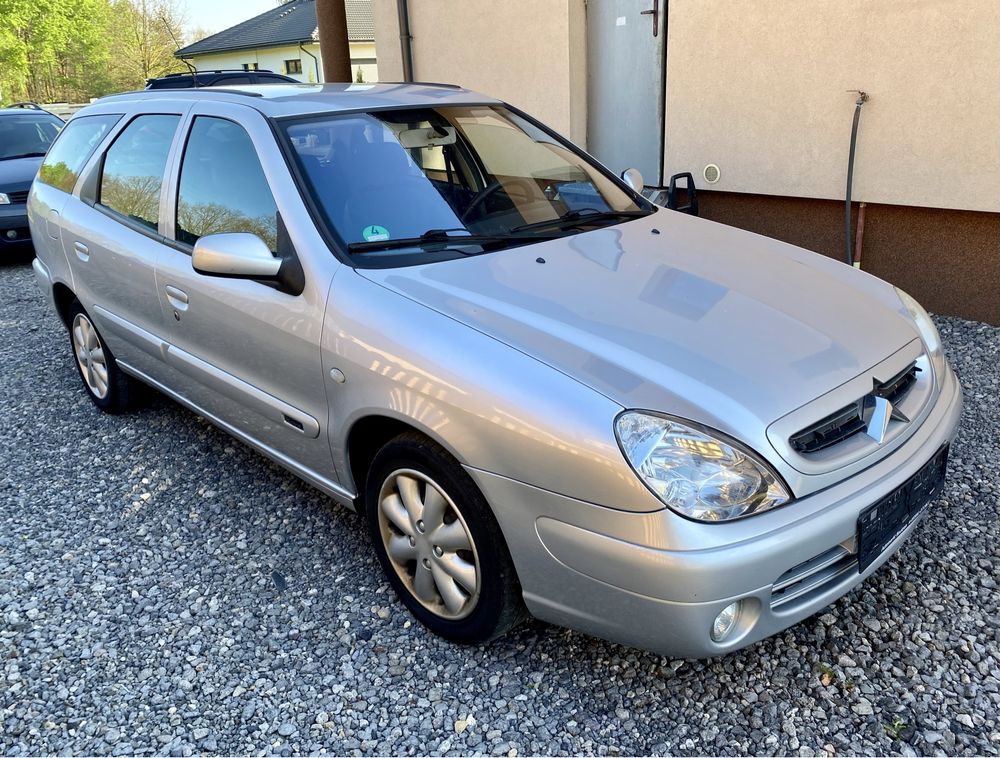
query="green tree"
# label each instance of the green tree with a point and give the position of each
(146, 33)
(73, 50)
(50, 49)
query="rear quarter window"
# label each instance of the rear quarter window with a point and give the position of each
(72, 148)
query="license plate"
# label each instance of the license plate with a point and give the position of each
(881, 523)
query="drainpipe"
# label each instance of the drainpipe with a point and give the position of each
(315, 61)
(860, 236)
(405, 39)
(848, 252)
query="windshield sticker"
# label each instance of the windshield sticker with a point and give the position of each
(375, 233)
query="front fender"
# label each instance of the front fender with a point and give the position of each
(493, 407)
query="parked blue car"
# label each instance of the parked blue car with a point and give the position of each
(26, 131)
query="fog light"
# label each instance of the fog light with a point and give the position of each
(725, 622)
(11, 234)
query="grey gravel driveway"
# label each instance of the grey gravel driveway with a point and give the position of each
(163, 589)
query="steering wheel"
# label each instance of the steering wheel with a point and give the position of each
(479, 198)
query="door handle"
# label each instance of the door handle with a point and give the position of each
(82, 251)
(178, 298)
(655, 13)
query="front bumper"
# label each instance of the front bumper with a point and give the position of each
(14, 219)
(621, 576)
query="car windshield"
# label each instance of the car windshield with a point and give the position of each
(27, 135)
(467, 179)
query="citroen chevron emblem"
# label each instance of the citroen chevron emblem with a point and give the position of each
(876, 412)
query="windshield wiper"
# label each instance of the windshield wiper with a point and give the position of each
(578, 217)
(23, 155)
(437, 237)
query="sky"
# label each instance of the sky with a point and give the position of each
(216, 15)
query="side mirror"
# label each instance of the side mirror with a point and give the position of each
(633, 178)
(691, 206)
(234, 254)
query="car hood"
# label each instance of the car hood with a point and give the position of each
(16, 174)
(675, 314)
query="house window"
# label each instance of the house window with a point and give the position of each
(249, 66)
(293, 67)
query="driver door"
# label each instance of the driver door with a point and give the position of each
(245, 351)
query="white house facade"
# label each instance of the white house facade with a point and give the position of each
(285, 40)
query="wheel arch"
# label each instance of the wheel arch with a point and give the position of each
(367, 435)
(62, 297)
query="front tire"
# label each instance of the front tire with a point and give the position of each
(439, 543)
(108, 386)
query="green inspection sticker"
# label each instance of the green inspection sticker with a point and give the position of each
(375, 233)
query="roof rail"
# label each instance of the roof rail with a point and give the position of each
(166, 93)
(217, 71)
(245, 93)
(27, 106)
(427, 84)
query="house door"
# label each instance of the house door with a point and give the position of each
(626, 47)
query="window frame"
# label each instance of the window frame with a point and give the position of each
(96, 177)
(297, 62)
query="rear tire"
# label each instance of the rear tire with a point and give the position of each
(439, 543)
(108, 387)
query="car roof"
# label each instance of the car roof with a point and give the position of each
(27, 112)
(277, 100)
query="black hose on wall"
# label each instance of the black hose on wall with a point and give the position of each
(848, 237)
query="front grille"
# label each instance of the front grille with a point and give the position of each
(848, 421)
(806, 581)
(896, 388)
(18, 197)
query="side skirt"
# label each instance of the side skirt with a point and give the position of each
(323, 484)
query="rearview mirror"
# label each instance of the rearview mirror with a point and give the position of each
(234, 254)
(633, 178)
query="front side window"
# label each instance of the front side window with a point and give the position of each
(222, 185)
(133, 168)
(464, 178)
(71, 150)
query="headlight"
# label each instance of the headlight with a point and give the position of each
(696, 473)
(4, 200)
(928, 332)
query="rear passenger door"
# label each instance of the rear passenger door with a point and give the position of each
(111, 235)
(246, 351)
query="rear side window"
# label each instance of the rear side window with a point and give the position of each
(72, 148)
(133, 168)
(222, 185)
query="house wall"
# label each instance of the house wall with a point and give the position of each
(759, 87)
(948, 259)
(273, 58)
(531, 54)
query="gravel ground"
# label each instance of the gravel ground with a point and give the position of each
(163, 589)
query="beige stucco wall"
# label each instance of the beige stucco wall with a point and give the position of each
(759, 88)
(273, 58)
(531, 53)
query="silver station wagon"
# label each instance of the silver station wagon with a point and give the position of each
(546, 395)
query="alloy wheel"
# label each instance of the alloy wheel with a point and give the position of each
(429, 544)
(90, 356)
